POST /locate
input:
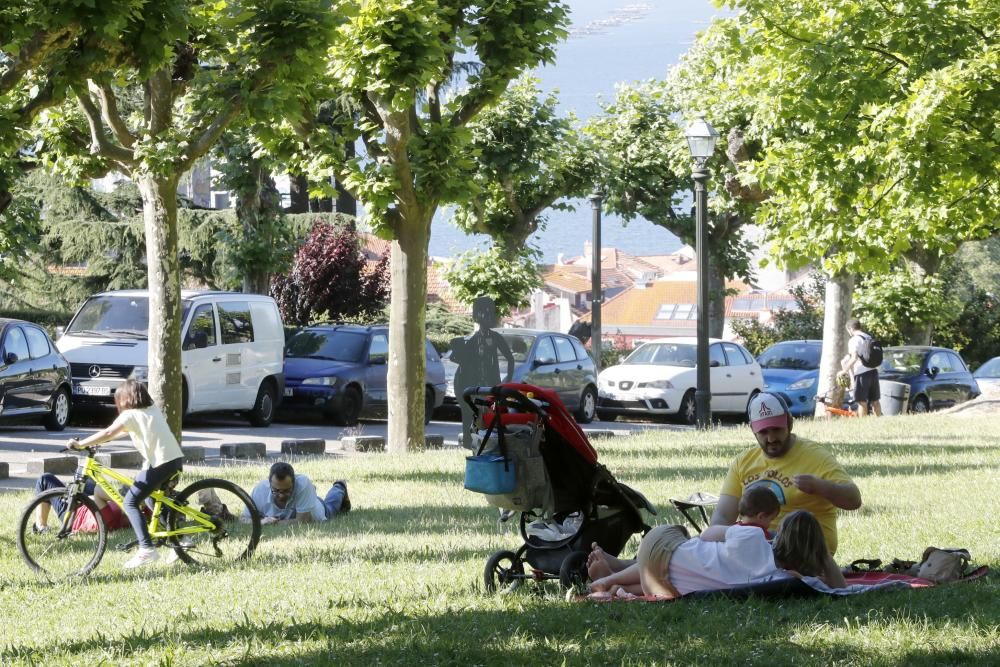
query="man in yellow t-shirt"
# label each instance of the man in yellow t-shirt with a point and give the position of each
(802, 474)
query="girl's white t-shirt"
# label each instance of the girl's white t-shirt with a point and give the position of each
(745, 557)
(150, 435)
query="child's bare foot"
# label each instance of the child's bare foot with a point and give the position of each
(598, 566)
(601, 586)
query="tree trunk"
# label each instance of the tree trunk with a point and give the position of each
(346, 203)
(257, 211)
(159, 212)
(298, 194)
(839, 293)
(407, 310)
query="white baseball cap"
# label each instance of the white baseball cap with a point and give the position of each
(767, 411)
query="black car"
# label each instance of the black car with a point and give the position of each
(339, 371)
(938, 377)
(34, 377)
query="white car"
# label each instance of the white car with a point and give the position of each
(659, 379)
(988, 377)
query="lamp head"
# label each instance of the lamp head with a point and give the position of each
(701, 138)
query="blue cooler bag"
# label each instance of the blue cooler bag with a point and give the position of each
(491, 474)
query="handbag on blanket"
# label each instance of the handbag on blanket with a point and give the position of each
(943, 565)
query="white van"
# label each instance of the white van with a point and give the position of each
(232, 351)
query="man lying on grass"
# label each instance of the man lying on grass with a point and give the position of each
(802, 474)
(285, 496)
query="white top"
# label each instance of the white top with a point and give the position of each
(744, 558)
(304, 499)
(150, 435)
(859, 343)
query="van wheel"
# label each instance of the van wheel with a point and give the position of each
(57, 419)
(263, 410)
(350, 408)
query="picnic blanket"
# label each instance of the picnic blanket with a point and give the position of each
(790, 587)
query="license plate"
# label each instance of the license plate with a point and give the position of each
(289, 392)
(91, 390)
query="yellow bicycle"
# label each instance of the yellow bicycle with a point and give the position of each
(212, 520)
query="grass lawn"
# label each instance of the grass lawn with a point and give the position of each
(399, 579)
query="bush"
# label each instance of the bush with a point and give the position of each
(330, 280)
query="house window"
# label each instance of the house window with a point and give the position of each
(666, 311)
(677, 311)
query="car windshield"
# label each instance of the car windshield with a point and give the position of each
(329, 345)
(113, 316)
(791, 356)
(665, 354)
(991, 369)
(902, 361)
(520, 346)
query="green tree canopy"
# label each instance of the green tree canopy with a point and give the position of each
(407, 77)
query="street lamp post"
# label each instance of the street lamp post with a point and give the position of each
(595, 281)
(701, 139)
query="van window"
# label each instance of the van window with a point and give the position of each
(38, 343)
(14, 342)
(378, 351)
(201, 332)
(112, 314)
(234, 320)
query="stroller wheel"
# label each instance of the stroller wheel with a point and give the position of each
(504, 571)
(573, 571)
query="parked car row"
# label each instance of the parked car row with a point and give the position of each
(234, 358)
(937, 377)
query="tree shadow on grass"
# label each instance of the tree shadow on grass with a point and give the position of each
(547, 631)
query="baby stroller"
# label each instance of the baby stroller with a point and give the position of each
(565, 499)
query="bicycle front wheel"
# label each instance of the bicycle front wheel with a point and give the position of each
(236, 523)
(54, 550)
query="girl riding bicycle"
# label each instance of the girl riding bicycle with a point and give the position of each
(163, 457)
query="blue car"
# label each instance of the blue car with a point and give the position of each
(791, 369)
(938, 377)
(339, 371)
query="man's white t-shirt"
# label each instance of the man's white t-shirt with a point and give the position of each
(745, 557)
(856, 345)
(304, 499)
(151, 435)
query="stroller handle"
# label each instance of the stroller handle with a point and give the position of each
(506, 393)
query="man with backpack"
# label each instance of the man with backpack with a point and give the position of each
(864, 356)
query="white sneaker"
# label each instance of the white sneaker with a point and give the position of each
(172, 556)
(142, 557)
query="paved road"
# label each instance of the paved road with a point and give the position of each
(20, 444)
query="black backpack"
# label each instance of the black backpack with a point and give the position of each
(872, 356)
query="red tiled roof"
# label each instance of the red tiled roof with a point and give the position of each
(638, 306)
(439, 291)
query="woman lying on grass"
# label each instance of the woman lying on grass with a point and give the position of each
(671, 564)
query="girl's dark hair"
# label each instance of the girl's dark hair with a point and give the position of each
(759, 499)
(132, 395)
(800, 544)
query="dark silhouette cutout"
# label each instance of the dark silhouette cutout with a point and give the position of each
(478, 359)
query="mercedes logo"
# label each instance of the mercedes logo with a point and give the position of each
(95, 371)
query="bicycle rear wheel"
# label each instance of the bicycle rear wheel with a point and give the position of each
(53, 550)
(237, 523)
